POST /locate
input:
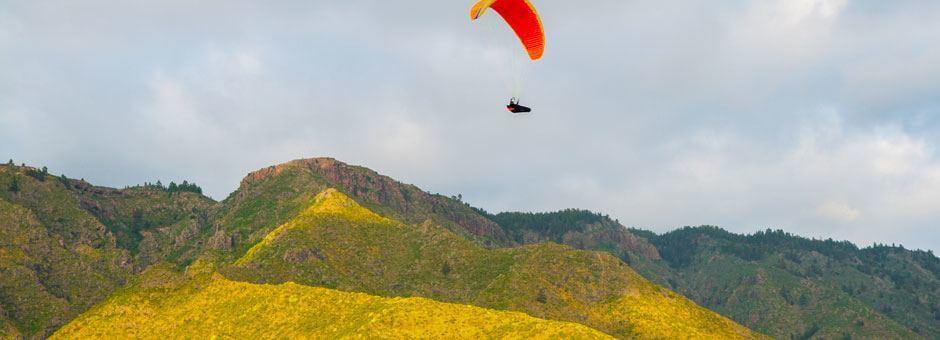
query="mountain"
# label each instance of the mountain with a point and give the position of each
(771, 281)
(164, 304)
(337, 243)
(66, 245)
(269, 197)
(586, 230)
(56, 260)
(151, 222)
(819, 286)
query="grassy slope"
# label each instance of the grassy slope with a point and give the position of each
(586, 230)
(55, 259)
(787, 290)
(67, 245)
(171, 307)
(776, 302)
(790, 290)
(338, 244)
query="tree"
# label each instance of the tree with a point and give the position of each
(45, 170)
(37, 174)
(10, 163)
(541, 297)
(14, 185)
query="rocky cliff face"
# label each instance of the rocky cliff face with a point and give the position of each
(386, 195)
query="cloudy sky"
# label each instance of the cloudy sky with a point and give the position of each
(820, 117)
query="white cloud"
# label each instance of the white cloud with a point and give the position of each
(836, 211)
(795, 11)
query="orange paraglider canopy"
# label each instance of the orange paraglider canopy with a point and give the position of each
(522, 17)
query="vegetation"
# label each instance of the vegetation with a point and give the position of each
(336, 243)
(151, 224)
(216, 307)
(833, 288)
(553, 225)
(65, 245)
(184, 187)
(43, 280)
(771, 281)
(14, 185)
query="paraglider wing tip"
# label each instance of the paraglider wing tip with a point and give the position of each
(478, 9)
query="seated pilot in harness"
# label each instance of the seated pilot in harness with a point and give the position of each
(514, 106)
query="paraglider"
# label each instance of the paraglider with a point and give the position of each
(525, 22)
(514, 107)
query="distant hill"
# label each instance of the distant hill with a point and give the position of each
(165, 305)
(828, 288)
(773, 282)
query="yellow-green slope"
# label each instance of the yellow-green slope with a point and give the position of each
(7, 328)
(338, 244)
(168, 306)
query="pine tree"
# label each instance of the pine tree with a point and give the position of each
(14, 185)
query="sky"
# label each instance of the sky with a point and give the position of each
(819, 117)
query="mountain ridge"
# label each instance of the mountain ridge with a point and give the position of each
(135, 227)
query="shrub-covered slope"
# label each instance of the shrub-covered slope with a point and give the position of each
(66, 245)
(338, 244)
(162, 305)
(785, 285)
(56, 260)
(269, 197)
(153, 224)
(773, 282)
(585, 230)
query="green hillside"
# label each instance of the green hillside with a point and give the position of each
(586, 230)
(164, 305)
(780, 283)
(338, 244)
(773, 282)
(56, 260)
(151, 222)
(8, 330)
(65, 245)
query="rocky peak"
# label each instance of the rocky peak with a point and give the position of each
(388, 196)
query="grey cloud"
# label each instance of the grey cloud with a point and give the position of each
(815, 116)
